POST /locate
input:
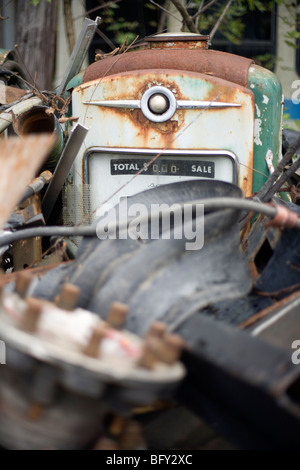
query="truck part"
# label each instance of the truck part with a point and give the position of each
(80, 50)
(70, 361)
(37, 185)
(63, 167)
(7, 117)
(39, 120)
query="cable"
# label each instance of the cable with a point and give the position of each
(280, 215)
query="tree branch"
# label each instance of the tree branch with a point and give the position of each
(166, 11)
(267, 191)
(218, 23)
(69, 24)
(163, 18)
(186, 17)
(203, 8)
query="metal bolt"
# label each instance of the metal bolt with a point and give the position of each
(157, 330)
(93, 346)
(117, 315)
(68, 297)
(149, 359)
(31, 316)
(132, 437)
(23, 282)
(47, 176)
(174, 345)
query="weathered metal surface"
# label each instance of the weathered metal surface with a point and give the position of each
(268, 121)
(282, 327)
(28, 252)
(62, 169)
(80, 50)
(34, 272)
(20, 159)
(49, 348)
(9, 94)
(98, 160)
(243, 375)
(38, 120)
(188, 130)
(37, 185)
(214, 63)
(178, 41)
(7, 117)
(268, 312)
(102, 267)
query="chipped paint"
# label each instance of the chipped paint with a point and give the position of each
(257, 131)
(269, 161)
(188, 132)
(267, 91)
(258, 111)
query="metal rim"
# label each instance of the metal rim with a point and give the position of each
(158, 90)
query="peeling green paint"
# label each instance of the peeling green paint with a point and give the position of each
(268, 121)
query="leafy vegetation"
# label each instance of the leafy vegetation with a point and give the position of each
(204, 15)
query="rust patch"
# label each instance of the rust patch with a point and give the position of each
(229, 67)
(169, 127)
(36, 272)
(268, 311)
(178, 42)
(20, 159)
(247, 183)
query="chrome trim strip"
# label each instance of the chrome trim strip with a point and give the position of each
(185, 104)
(152, 152)
(126, 104)
(181, 104)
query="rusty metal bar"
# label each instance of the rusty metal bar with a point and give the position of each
(291, 220)
(37, 185)
(62, 169)
(81, 47)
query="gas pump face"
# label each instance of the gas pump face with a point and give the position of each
(118, 169)
(173, 112)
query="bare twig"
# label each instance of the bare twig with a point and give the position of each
(186, 17)
(264, 192)
(284, 178)
(203, 8)
(69, 24)
(166, 11)
(99, 7)
(106, 39)
(163, 17)
(218, 23)
(190, 3)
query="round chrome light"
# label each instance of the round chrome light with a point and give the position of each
(158, 104)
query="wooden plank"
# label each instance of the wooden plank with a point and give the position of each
(9, 94)
(36, 36)
(20, 160)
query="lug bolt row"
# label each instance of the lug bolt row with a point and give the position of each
(159, 346)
